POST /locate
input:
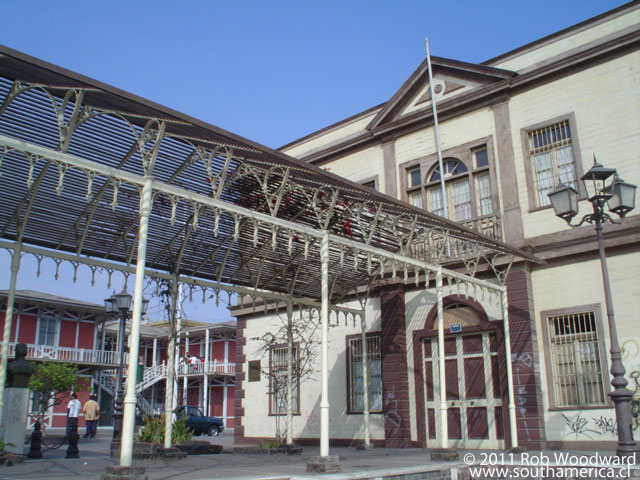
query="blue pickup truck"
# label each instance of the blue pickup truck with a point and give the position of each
(198, 423)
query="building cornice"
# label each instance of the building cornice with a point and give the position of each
(481, 96)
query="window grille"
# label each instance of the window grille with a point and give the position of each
(278, 381)
(356, 391)
(575, 356)
(551, 152)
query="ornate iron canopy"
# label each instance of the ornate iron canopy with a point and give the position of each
(74, 154)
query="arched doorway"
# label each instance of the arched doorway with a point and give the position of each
(473, 391)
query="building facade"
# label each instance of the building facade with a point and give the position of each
(511, 129)
(58, 329)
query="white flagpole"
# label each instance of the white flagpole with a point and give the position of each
(436, 133)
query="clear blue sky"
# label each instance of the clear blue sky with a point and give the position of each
(271, 71)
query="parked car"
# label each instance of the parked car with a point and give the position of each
(198, 423)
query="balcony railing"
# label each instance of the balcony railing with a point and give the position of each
(490, 225)
(212, 368)
(72, 355)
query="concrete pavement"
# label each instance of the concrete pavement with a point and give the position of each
(356, 464)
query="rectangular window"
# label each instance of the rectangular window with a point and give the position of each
(415, 199)
(356, 383)
(552, 162)
(47, 330)
(481, 157)
(575, 359)
(278, 381)
(483, 191)
(461, 196)
(435, 201)
(414, 177)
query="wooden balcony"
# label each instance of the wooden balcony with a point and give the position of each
(70, 355)
(208, 368)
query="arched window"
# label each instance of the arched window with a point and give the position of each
(467, 184)
(451, 166)
(456, 188)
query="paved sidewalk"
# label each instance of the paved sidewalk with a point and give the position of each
(356, 464)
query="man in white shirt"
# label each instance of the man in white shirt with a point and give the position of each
(73, 410)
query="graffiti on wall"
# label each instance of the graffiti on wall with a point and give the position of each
(630, 351)
(392, 419)
(582, 427)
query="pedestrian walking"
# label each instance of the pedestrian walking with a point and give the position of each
(73, 410)
(91, 412)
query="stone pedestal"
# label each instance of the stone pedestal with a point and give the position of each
(328, 464)
(15, 419)
(123, 473)
(445, 455)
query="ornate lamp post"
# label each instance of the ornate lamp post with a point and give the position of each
(120, 304)
(619, 196)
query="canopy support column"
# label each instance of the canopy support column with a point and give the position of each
(507, 352)
(365, 383)
(324, 318)
(290, 361)
(128, 421)
(444, 432)
(8, 320)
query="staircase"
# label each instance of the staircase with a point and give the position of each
(150, 376)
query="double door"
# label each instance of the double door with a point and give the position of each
(473, 395)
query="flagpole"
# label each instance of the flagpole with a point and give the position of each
(436, 133)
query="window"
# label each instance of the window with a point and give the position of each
(575, 360)
(414, 177)
(278, 381)
(552, 160)
(370, 184)
(356, 378)
(47, 330)
(483, 194)
(481, 157)
(467, 179)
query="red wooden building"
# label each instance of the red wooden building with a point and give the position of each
(61, 329)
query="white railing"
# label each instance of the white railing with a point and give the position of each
(152, 375)
(145, 407)
(214, 367)
(68, 354)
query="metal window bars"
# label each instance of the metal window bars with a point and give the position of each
(356, 390)
(576, 368)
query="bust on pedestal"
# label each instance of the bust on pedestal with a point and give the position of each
(17, 401)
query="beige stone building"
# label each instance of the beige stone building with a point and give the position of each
(510, 128)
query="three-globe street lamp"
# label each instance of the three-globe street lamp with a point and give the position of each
(120, 304)
(619, 196)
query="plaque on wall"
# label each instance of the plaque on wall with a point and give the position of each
(254, 370)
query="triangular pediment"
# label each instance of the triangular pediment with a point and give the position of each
(451, 79)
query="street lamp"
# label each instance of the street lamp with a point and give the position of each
(120, 304)
(620, 198)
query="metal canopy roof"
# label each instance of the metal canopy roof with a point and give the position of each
(74, 154)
